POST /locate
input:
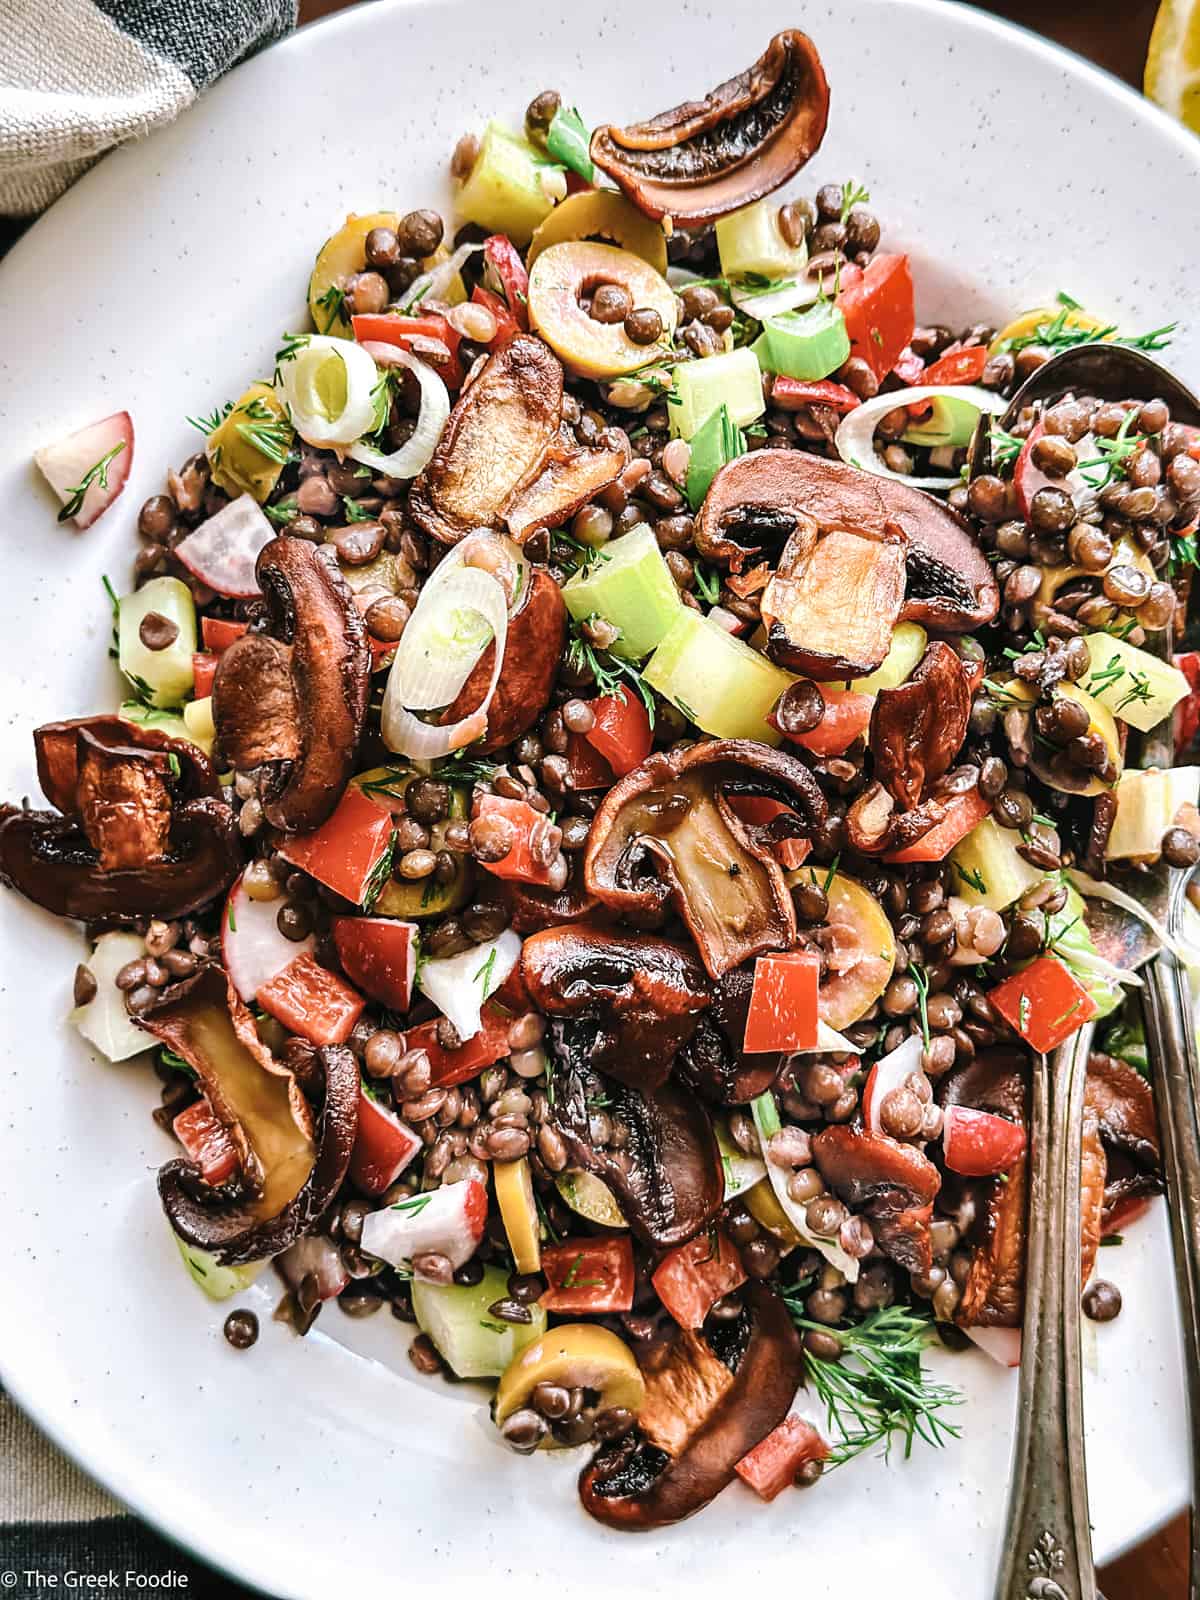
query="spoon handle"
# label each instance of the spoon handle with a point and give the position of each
(1176, 1067)
(1048, 1544)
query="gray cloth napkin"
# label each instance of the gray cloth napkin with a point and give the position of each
(78, 77)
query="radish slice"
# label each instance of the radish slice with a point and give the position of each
(328, 386)
(87, 470)
(414, 454)
(383, 1147)
(855, 438)
(890, 1072)
(317, 1256)
(449, 1220)
(978, 1144)
(223, 550)
(1002, 1344)
(458, 985)
(252, 947)
(435, 284)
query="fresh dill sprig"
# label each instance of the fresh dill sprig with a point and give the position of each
(97, 473)
(878, 1393)
(282, 512)
(354, 511)
(1114, 455)
(920, 977)
(610, 672)
(571, 552)
(1006, 447)
(461, 768)
(332, 302)
(708, 581)
(1182, 553)
(380, 873)
(853, 194)
(213, 421)
(268, 432)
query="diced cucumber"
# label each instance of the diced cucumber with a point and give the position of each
(590, 1197)
(715, 442)
(1135, 686)
(104, 1020)
(951, 423)
(1146, 806)
(719, 683)
(749, 241)
(987, 868)
(218, 1282)
(504, 191)
(465, 1333)
(906, 649)
(733, 379)
(166, 674)
(741, 1171)
(808, 345)
(630, 586)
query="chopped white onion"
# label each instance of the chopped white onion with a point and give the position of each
(414, 454)
(1117, 897)
(789, 296)
(458, 985)
(433, 285)
(766, 1120)
(297, 388)
(1095, 965)
(461, 610)
(855, 438)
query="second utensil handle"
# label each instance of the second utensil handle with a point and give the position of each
(1048, 1543)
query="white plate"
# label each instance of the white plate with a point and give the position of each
(160, 284)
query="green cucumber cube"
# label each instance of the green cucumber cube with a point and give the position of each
(807, 345)
(630, 586)
(1135, 686)
(719, 683)
(166, 674)
(466, 1335)
(749, 241)
(733, 379)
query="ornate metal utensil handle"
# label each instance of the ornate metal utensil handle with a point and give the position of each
(1048, 1545)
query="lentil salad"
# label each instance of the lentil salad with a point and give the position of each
(487, 973)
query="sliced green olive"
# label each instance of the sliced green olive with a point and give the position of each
(577, 1355)
(590, 1197)
(559, 279)
(865, 946)
(249, 449)
(607, 216)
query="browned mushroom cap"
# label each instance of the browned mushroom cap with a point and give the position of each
(532, 654)
(706, 1406)
(830, 609)
(1124, 1109)
(667, 1176)
(666, 832)
(493, 443)
(895, 1183)
(288, 1178)
(756, 501)
(874, 826)
(295, 701)
(568, 479)
(57, 747)
(707, 157)
(713, 1062)
(644, 994)
(532, 909)
(918, 728)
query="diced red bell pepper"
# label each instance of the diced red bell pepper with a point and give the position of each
(519, 862)
(964, 812)
(962, 366)
(206, 1142)
(386, 328)
(204, 670)
(345, 852)
(978, 1144)
(383, 1146)
(312, 1001)
(759, 810)
(456, 1066)
(587, 768)
(691, 1279)
(506, 276)
(772, 1465)
(621, 731)
(847, 716)
(879, 313)
(589, 1274)
(382, 652)
(783, 1003)
(1044, 1003)
(507, 326)
(1187, 712)
(379, 955)
(218, 634)
(789, 394)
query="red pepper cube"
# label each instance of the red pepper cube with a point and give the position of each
(621, 730)
(1044, 1003)
(312, 1001)
(519, 863)
(587, 768)
(204, 670)
(846, 717)
(589, 1274)
(383, 1146)
(783, 1003)
(879, 313)
(379, 954)
(206, 1142)
(964, 813)
(218, 634)
(774, 1462)
(346, 851)
(691, 1279)
(456, 1066)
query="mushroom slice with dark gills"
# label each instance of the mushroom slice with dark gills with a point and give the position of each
(718, 1393)
(748, 136)
(667, 1173)
(713, 1061)
(294, 700)
(755, 503)
(1124, 1107)
(289, 1173)
(919, 727)
(140, 834)
(667, 834)
(893, 1182)
(645, 996)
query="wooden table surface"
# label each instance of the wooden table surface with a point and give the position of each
(1114, 36)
